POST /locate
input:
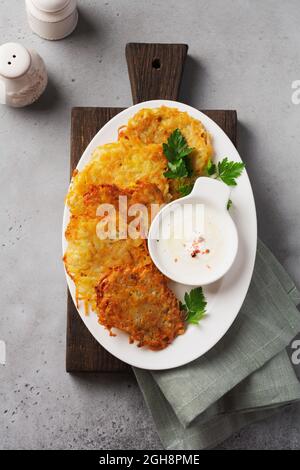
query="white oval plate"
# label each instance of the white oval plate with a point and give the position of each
(224, 297)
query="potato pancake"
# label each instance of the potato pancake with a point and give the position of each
(138, 301)
(122, 164)
(96, 194)
(154, 126)
(88, 258)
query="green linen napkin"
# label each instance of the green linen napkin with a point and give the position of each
(245, 377)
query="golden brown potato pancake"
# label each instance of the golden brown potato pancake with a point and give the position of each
(154, 126)
(138, 301)
(123, 164)
(96, 194)
(88, 258)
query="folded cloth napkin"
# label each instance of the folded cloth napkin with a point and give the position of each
(244, 378)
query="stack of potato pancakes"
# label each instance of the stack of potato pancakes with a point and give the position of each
(115, 277)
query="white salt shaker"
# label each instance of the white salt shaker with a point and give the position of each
(52, 19)
(23, 75)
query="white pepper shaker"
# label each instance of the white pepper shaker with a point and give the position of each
(52, 19)
(23, 75)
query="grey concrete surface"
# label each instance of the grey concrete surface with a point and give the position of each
(244, 55)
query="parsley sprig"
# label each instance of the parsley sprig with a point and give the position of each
(195, 305)
(185, 189)
(176, 150)
(225, 170)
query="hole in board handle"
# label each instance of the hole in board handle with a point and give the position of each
(156, 64)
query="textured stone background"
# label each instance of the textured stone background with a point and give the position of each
(243, 55)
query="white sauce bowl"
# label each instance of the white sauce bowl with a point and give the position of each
(194, 240)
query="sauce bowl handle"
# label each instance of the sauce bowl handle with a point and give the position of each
(211, 190)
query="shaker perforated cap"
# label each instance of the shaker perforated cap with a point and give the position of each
(15, 60)
(50, 6)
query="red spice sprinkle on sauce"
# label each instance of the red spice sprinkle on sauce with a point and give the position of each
(196, 251)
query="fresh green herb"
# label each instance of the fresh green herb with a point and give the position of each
(211, 168)
(176, 150)
(185, 189)
(177, 169)
(226, 171)
(229, 171)
(194, 306)
(229, 204)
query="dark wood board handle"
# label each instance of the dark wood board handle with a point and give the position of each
(155, 70)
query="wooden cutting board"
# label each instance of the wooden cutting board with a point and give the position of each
(155, 72)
